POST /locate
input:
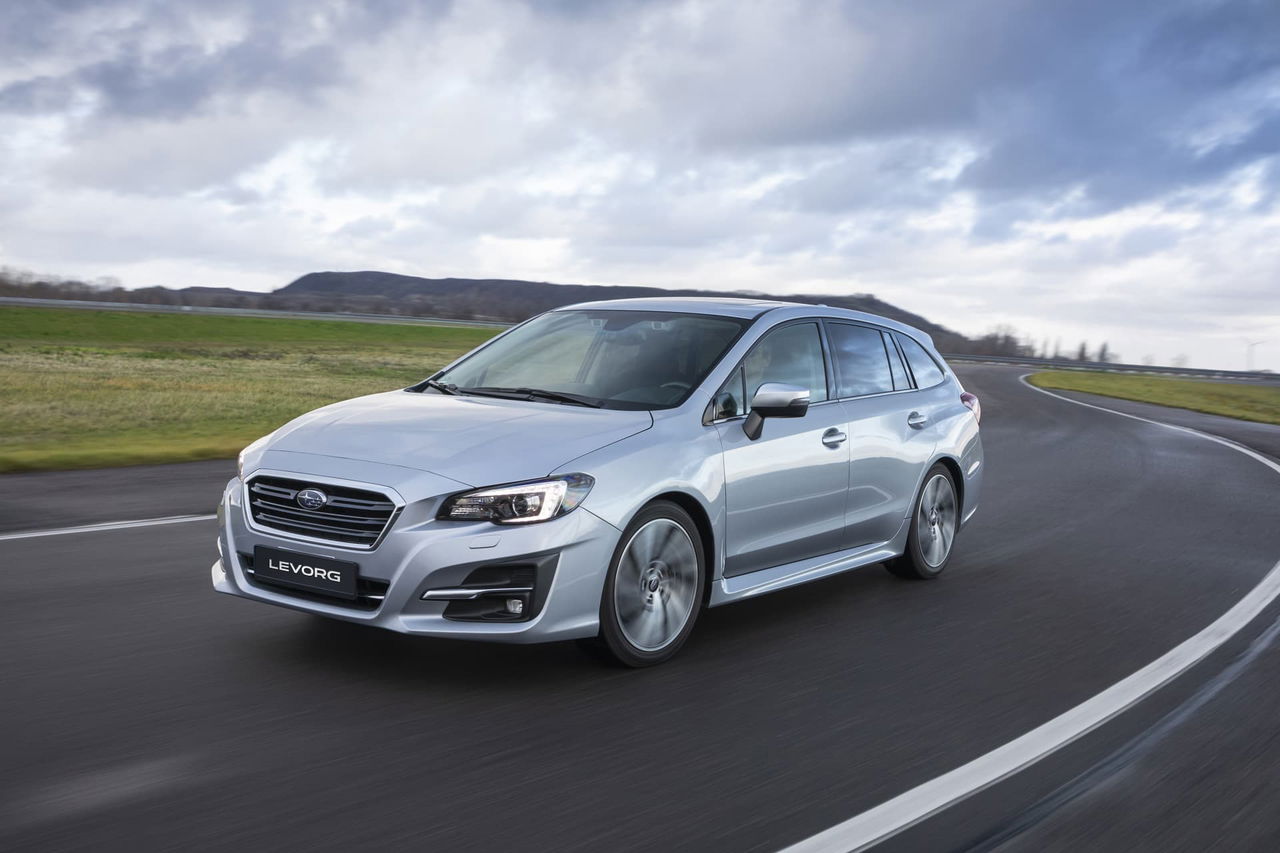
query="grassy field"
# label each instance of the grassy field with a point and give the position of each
(1232, 399)
(85, 389)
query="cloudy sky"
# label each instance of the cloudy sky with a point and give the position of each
(1079, 170)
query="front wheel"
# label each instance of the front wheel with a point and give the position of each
(933, 528)
(654, 587)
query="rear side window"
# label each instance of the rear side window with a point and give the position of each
(901, 381)
(861, 360)
(792, 355)
(923, 367)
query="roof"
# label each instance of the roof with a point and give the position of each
(727, 306)
(744, 308)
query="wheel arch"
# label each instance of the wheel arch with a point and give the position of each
(957, 477)
(706, 533)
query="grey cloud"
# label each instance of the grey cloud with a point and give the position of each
(236, 195)
(1114, 122)
(182, 79)
(366, 227)
(1093, 96)
(1146, 240)
(158, 64)
(900, 175)
(39, 27)
(1054, 97)
(37, 95)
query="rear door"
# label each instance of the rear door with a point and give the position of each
(888, 453)
(785, 491)
(935, 397)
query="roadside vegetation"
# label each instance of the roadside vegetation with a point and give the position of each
(82, 389)
(1250, 402)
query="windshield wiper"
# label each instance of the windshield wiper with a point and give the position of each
(443, 387)
(533, 394)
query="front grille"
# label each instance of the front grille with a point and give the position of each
(370, 593)
(351, 516)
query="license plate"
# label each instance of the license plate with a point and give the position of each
(304, 571)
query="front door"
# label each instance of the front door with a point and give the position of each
(785, 492)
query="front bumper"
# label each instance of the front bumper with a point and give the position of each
(421, 554)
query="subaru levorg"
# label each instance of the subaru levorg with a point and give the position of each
(604, 471)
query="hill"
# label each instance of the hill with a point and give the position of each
(514, 300)
(499, 300)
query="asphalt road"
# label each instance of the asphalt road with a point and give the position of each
(1264, 438)
(143, 710)
(43, 500)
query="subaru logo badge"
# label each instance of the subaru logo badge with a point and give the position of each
(311, 499)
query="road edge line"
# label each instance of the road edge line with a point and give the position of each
(910, 808)
(109, 525)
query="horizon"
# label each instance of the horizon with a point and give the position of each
(1061, 349)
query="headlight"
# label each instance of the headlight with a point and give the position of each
(519, 503)
(240, 466)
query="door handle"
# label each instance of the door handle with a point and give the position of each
(833, 437)
(915, 420)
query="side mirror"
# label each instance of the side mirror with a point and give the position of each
(775, 400)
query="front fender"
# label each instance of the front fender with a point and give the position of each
(673, 456)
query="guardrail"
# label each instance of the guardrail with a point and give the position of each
(1064, 364)
(1057, 364)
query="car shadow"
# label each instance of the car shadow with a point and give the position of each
(724, 637)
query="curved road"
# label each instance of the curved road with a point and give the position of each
(141, 709)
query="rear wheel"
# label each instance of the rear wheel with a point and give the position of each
(654, 587)
(934, 524)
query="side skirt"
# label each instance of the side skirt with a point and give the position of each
(739, 587)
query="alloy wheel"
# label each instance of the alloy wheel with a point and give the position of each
(936, 520)
(656, 585)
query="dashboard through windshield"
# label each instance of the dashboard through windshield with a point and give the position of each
(608, 359)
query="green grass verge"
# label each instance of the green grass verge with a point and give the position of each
(1233, 399)
(82, 389)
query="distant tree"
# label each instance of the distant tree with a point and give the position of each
(1002, 340)
(1148, 360)
(1104, 355)
(1082, 354)
(1181, 360)
(1057, 348)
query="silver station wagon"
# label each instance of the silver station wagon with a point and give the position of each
(604, 471)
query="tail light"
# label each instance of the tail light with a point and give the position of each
(971, 400)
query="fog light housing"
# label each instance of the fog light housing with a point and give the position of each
(498, 592)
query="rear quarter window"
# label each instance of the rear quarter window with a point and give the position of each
(923, 367)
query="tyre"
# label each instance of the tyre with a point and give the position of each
(654, 588)
(934, 523)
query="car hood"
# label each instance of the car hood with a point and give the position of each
(478, 441)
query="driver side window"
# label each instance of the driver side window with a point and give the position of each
(791, 355)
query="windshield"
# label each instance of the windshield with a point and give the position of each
(614, 359)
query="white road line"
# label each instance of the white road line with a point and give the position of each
(111, 525)
(906, 810)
